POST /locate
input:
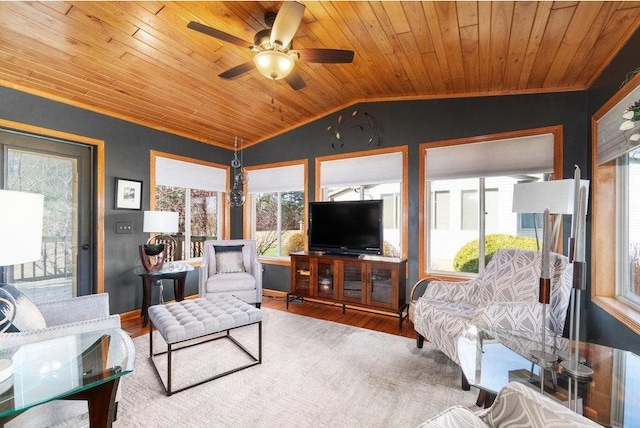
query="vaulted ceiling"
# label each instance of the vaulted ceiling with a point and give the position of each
(139, 61)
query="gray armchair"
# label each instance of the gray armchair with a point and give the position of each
(63, 318)
(67, 317)
(231, 267)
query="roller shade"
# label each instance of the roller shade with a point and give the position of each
(374, 169)
(279, 179)
(612, 142)
(522, 155)
(176, 173)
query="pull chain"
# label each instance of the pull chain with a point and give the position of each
(273, 92)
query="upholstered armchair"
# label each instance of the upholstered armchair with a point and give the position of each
(231, 267)
(66, 317)
(504, 296)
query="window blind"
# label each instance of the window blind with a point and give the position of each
(522, 155)
(612, 142)
(176, 173)
(288, 178)
(353, 171)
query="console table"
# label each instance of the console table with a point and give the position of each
(367, 281)
(85, 366)
(175, 272)
(491, 358)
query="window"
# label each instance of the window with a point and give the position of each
(615, 208)
(441, 206)
(468, 189)
(628, 208)
(469, 209)
(196, 190)
(277, 208)
(375, 175)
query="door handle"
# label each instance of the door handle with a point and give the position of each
(85, 246)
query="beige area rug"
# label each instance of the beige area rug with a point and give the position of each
(314, 373)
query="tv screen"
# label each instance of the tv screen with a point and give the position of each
(346, 227)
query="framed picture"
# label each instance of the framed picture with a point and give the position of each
(128, 194)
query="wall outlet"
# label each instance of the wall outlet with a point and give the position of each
(124, 227)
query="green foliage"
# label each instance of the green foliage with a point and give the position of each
(466, 259)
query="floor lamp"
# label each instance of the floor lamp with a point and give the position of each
(571, 365)
(546, 197)
(21, 233)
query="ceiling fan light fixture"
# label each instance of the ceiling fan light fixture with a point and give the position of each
(273, 64)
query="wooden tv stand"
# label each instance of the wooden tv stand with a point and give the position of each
(372, 282)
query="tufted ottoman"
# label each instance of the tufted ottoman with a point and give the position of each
(180, 322)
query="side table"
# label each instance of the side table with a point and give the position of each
(86, 366)
(173, 271)
(491, 358)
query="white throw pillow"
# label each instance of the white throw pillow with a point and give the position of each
(229, 258)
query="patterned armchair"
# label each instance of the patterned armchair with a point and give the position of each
(504, 296)
(516, 405)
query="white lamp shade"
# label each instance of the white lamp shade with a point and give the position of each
(555, 195)
(160, 221)
(20, 227)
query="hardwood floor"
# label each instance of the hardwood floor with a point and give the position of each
(329, 312)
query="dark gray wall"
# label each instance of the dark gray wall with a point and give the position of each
(602, 327)
(412, 123)
(127, 148)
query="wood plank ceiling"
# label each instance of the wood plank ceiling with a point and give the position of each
(139, 61)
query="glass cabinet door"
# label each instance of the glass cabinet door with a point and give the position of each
(381, 279)
(324, 284)
(352, 284)
(302, 279)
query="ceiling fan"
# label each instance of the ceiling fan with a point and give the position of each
(275, 57)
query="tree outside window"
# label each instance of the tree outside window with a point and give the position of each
(279, 224)
(196, 208)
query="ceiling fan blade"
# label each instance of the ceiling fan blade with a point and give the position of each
(220, 35)
(287, 22)
(237, 70)
(295, 80)
(335, 56)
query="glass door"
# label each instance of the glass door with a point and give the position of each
(381, 277)
(62, 171)
(324, 285)
(352, 282)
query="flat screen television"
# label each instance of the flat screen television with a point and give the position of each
(346, 227)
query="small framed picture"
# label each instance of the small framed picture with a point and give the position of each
(128, 194)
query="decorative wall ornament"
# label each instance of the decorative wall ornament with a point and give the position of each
(364, 122)
(236, 196)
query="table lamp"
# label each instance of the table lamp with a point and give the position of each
(163, 224)
(21, 233)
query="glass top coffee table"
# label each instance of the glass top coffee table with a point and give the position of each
(611, 397)
(86, 366)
